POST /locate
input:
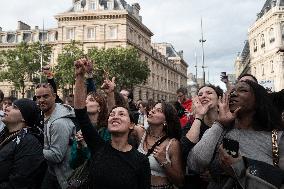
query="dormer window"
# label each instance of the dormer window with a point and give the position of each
(77, 6)
(110, 5)
(93, 5)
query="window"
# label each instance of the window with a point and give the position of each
(254, 45)
(70, 34)
(110, 5)
(112, 32)
(51, 37)
(271, 35)
(254, 68)
(262, 41)
(262, 67)
(77, 6)
(272, 66)
(91, 34)
(93, 5)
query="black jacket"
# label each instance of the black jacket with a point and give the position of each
(22, 163)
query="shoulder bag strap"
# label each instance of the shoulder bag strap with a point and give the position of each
(150, 151)
(275, 149)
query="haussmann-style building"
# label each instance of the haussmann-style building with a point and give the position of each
(263, 53)
(107, 24)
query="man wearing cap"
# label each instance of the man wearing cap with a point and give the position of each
(59, 129)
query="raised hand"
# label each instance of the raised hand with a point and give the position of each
(225, 116)
(82, 66)
(200, 109)
(109, 85)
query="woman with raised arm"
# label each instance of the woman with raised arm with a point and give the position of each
(114, 164)
(205, 108)
(160, 142)
(245, 125)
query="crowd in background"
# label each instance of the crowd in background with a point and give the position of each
(100, 137)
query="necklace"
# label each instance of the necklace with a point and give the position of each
(9, 137)
(154, 136)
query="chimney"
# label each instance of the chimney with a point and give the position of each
(23, 26)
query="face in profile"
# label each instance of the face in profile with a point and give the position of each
(93, 107)
(119, 121)
(242, 96)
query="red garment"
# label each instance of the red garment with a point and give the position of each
(184, 119)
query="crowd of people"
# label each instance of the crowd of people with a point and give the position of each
(100, 138)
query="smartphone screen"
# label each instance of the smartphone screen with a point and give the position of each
(231, 146)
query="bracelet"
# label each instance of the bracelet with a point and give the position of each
(165, 163)
(199, 119)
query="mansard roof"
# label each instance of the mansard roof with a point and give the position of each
(268, 5)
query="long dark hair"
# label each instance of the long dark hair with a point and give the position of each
(103, 114)
(266, 117)
(172, 127)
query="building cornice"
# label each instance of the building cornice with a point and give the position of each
(270, 14)
(102, 15)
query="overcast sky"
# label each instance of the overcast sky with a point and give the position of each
(225, 24)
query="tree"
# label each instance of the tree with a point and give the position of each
(122, 63)
(21, 65)
(64, 70)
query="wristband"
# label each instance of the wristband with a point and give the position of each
(199, 119)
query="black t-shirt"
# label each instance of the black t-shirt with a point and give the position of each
(110, 168)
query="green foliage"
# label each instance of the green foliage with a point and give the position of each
(21, 64)
(122, 63)
(64, 70)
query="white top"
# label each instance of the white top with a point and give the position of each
(155, 167)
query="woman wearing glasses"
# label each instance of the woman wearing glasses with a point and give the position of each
(21, 159)
(160, 142)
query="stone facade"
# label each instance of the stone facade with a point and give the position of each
(263, 54)
(107, 24)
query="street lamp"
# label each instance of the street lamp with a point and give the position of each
(202, 41)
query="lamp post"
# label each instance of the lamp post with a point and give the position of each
(202, 41)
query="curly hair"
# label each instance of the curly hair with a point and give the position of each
(266, 117)
(103, 114)
(173, 128)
